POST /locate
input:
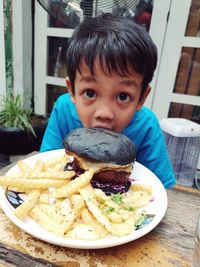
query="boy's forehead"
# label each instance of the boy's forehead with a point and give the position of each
(101, 66)
(85, 69)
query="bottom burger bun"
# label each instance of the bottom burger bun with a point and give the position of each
(110, 154)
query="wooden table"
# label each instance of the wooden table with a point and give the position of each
(169, 244)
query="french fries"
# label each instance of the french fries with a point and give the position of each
(88, 218)
(72, 207)
(74, 185)
(22, 210)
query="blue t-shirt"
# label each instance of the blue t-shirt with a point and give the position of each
(144, 130)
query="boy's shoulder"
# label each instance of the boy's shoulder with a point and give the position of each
(63, 99)
(145, 118)
(145, 123)
(145, 114)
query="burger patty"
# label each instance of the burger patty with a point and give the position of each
(104, 176)
(111, 176)
(109, 181)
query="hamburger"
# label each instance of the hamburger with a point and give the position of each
(110, 154)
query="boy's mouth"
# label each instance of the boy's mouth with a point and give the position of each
(103, 126)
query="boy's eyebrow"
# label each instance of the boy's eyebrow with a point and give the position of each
(91, 79)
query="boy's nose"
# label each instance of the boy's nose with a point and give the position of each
(105, 112)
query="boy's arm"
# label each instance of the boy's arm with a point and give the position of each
(153, 154)
(57, 127)
(146, 133)
(52, 138)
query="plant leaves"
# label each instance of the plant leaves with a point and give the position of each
(12, 113)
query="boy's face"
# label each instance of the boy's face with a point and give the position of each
(107, 101)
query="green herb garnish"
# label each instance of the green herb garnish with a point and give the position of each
(109, 210)
(131, 209)
(117, 198)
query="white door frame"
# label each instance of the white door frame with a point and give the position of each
(42, 32)
(2, 54)
(157, 32)
(22, 50)
(175, 39)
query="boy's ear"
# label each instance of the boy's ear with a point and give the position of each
(69, 88)
(144, 97)
(68, 83)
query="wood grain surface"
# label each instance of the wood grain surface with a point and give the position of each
(170, 244)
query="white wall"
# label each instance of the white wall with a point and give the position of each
(22, 49)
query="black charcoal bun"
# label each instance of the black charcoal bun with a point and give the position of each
(102, 145)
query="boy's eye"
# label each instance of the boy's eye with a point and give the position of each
(123, 97)
(89, 93)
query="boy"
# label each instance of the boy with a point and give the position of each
(110, 63)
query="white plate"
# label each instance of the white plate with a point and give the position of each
(158, 207)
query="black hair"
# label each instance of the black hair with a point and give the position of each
(119, 44)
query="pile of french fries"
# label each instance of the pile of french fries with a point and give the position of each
(72, 207)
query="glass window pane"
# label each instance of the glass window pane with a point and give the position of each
(53, 92)
(185, 111)
(188, 75)
(193, 24)
(68, 14)
(57, 48)
(143, 12)
(64, 14)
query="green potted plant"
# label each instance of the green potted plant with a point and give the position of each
(21, 131)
